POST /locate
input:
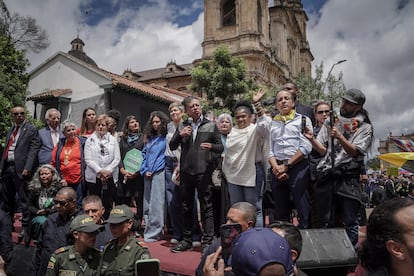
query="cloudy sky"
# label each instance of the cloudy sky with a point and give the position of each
(372, 35)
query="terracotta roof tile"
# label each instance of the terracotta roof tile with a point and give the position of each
(55, 93)
(155, 91)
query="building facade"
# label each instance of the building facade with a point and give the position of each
(270, 38)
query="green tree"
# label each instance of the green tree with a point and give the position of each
(311, 87)
(17, 34)
(22, 31)
(221, 80)
(13, 82)
(374, 164)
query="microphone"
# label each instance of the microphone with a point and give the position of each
(190, 121)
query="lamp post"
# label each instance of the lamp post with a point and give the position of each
(329, 74)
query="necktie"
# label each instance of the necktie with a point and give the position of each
(11, 141)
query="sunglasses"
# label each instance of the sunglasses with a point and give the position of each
(323, 111)
(19, 113)
(62, 203)
(102, 149)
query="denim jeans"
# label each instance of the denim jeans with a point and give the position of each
(296, 187)
(260, 178)
(154, 206)
(241, 193)
(349, 208)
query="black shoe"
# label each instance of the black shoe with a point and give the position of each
(181, 247)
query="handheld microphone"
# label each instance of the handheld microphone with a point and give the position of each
(190, 121)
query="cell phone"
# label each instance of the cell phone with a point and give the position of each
(303, 124)
(228, 233)
(148, 267)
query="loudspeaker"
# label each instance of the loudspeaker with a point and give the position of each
(326, 252)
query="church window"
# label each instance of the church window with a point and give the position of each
(259, 16)
(229, 13)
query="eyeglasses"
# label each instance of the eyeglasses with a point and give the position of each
(288, 88)
(19, 113)
(323, 111)
(62, 203)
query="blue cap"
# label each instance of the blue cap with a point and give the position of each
(256, 248)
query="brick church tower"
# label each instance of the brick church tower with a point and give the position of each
(271, 38)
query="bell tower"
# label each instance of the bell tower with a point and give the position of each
(243, 26)
(252, 30)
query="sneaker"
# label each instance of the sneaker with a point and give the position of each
(181, 247)
(196, 244)
(174, 241)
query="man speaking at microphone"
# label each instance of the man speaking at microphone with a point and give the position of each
(200, 145)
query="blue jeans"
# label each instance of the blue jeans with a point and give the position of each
(349, 208)
(240, 193)
(174, 204)
(296, 187)
(260, 178)
(154, 205)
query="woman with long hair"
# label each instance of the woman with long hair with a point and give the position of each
(131, 183)
(153, 170)
(88, 122)
(42, 190)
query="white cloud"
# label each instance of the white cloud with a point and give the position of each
(135, 39)
(373, 35)
(376, 39)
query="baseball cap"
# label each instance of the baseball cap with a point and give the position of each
(354, 96)
(84, 223)
(258, 247)
(120, 213)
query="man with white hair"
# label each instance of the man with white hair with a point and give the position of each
(49, 136)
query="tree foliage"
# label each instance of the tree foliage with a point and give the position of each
(221, 80)
(311, 87)
(22, 31)
(17, 34)
(374, 164)
(13, 82)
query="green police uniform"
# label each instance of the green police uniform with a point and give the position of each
(67, 262)
(120, 260)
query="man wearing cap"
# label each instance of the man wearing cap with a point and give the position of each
(338, 186)
(92, 206)
(257, 251)
(121, 253)
(81, 258)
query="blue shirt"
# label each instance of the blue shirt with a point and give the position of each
(154, 155)
(286, 138)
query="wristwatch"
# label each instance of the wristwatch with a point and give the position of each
(286, 163)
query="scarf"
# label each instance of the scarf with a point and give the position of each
(132, 137)
(285, 118)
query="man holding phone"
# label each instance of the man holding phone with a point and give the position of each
(242, 213)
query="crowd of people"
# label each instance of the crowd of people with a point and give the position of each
(179, 172)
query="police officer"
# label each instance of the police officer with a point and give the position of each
(121, 253)
(81, 258)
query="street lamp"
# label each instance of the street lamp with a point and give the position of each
(329, 74)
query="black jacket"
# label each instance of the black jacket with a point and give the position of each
(194, 160)
(54, 235)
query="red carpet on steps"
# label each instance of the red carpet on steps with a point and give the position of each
(183, 263)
